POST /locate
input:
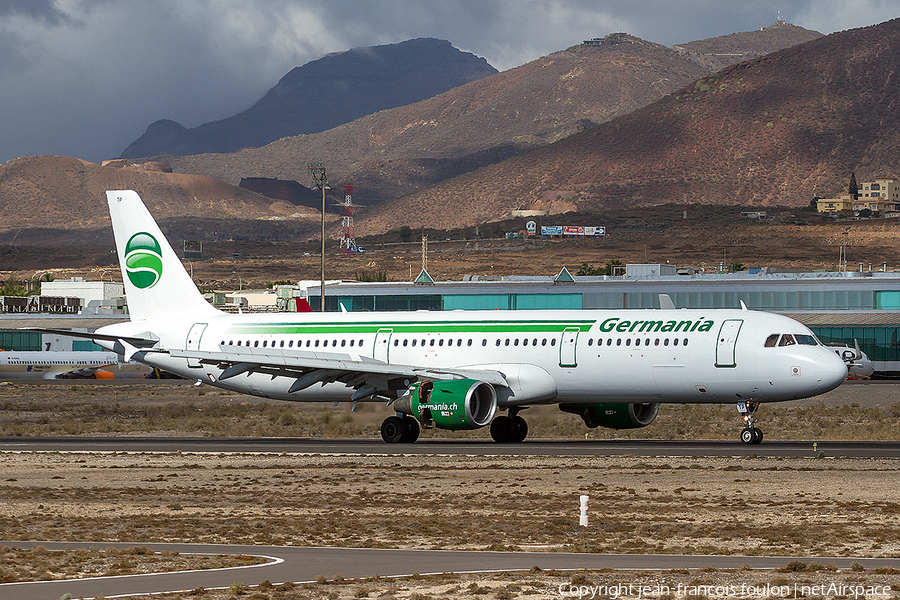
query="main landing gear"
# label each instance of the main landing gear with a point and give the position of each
(750, 434)
(509, 429)
(402, 429)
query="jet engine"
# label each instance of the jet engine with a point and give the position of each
(614, 415)
(453, 404)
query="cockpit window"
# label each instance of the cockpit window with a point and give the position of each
(787, 340)
(806, 340)
(772, 340)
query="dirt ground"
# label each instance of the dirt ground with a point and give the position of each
(869, 245)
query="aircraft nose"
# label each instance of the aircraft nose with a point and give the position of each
(831, 371)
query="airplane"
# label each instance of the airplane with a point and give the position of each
(457, 370)
(56, 365)
(858, 364)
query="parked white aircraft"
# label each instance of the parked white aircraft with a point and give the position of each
(59, 364)
(456, 370)
(858, 364)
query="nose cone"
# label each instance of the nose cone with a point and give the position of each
(831, 371)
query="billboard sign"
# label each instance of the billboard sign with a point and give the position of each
(551, 230)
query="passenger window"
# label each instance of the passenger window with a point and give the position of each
(787, 340)
(498, 341)
(431, 342)
(459, 342)
(675, 342)
(666, 342)
(553, 342)
(440, 343)
(317, 343)
(360, 343)
(544, 342)
(534, 342)
(264, 344)
(352, 342)
(771, 341)
(484, 342)
(469, 343)
(656, 342)
(414, 343)
(619, 342)
(609, 342)
(307, 343)
(506, 343)
(590, 341)
(516, 342)
(239, 342)
(404, 343)
(396, 343)
(256, 344)
(525, 342)
(685, 342)
(628, 342)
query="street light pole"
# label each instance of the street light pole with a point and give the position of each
(320, 180)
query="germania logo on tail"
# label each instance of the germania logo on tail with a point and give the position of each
(143, 260)
(458, 370)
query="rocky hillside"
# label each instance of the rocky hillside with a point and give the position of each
(323, 94)
(780, 129)
(54, 192)
(719, 52)
(392, 153)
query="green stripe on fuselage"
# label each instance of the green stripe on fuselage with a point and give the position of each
(408, 327)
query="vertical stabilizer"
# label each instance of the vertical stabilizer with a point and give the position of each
(156, 284)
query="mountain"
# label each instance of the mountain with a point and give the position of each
(53, 192)
(323, 94)
(777, 130)
(719, 52)
(395, 152)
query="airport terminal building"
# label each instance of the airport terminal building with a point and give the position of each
(839, 307)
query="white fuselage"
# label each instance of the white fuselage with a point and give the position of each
(550, 356)
(49, 365)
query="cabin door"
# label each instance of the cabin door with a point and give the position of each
(726, 342)
(567, 347)
(193, 342)
(383, 345)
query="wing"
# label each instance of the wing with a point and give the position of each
(367, 376)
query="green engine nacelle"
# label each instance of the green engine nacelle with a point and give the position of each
(454, 404)
(614, 415)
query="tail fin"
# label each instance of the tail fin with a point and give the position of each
(156, 283)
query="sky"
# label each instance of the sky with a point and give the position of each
(84, 78)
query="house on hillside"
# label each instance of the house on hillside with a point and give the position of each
(834, 205)
(881, 195)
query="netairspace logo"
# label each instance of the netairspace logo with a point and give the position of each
(143, 260)
(796, 590)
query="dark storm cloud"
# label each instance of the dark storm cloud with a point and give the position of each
(86, 77)
(45, 10)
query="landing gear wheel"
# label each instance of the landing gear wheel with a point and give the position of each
(502, 429)
(520, 429)
(752, 435)
(392, 430)
(410, 430)
(747, 435)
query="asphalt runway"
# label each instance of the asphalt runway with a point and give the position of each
(700, 448)
(304, 564)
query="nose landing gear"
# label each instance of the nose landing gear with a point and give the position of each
(751, 434)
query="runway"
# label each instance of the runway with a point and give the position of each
(703, 448)
(304, 564)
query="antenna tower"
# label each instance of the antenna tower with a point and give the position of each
(348, 231)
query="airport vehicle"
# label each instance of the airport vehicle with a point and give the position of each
(457, 370)
(56, 365)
